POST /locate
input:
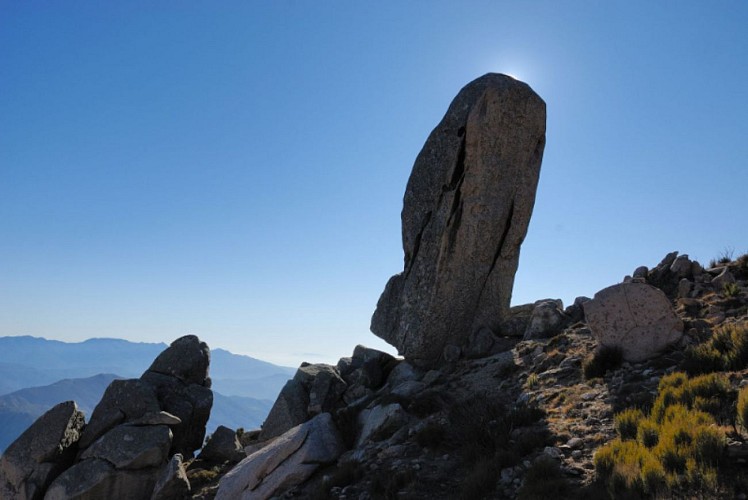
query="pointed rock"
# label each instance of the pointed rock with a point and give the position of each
(465, 214)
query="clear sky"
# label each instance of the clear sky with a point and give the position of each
(236, 169)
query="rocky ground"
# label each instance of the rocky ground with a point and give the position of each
(478, 426)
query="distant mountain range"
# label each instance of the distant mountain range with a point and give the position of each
(36, 374)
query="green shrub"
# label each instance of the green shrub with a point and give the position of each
(730, 289)
(742, 407)
(709, 445)
(627, 422)
(677, 444)
(532, 381)
(604, 359)
(727, 349)
(648, 433)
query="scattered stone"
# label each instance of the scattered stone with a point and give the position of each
(466, 210)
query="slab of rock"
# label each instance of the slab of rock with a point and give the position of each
(288, 411)
(44, 450)
(636, 317)
(96, 479)
(123, 400)
(287, 461)
(132, 447)
(379, 422)
(465, 214)
(172, 484)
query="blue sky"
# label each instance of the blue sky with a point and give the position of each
(236, 169)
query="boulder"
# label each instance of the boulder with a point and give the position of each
(681, 267)
(179, 377)
(187, 359)
(465, 213)
(191, 404)
(172, 484)
(286, 462)
(722, 279)
(515, 324)
(402, 372)
(324, 386)
(288, 411)
(44, 450)
(547, 320)
(636, 317)
(483, 342)
(222, 446)
(379, 422)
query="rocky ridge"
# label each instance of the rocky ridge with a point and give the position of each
(479, 425)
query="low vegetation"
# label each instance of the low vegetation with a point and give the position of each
(604, 359)
(742, 416)
(726, 349)
(725, 257)
(678, 443)
(481, 430)
(544, 480)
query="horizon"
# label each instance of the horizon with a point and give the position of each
(237, 172)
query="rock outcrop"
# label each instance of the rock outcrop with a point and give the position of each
(44, 450)
(635, 317)
(288, 461)
(465, 213)
(320, 388)
(132, 448)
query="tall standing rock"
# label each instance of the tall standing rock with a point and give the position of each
(465, 214)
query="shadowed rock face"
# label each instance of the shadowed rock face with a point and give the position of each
(465, 213)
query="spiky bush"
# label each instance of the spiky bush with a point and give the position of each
(648, 433)
(627, 422)
(727, 349)
(677, 444)
(731, 290)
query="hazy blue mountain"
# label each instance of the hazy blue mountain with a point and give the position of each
(36, 374)
(34, 361)
(19, 409)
